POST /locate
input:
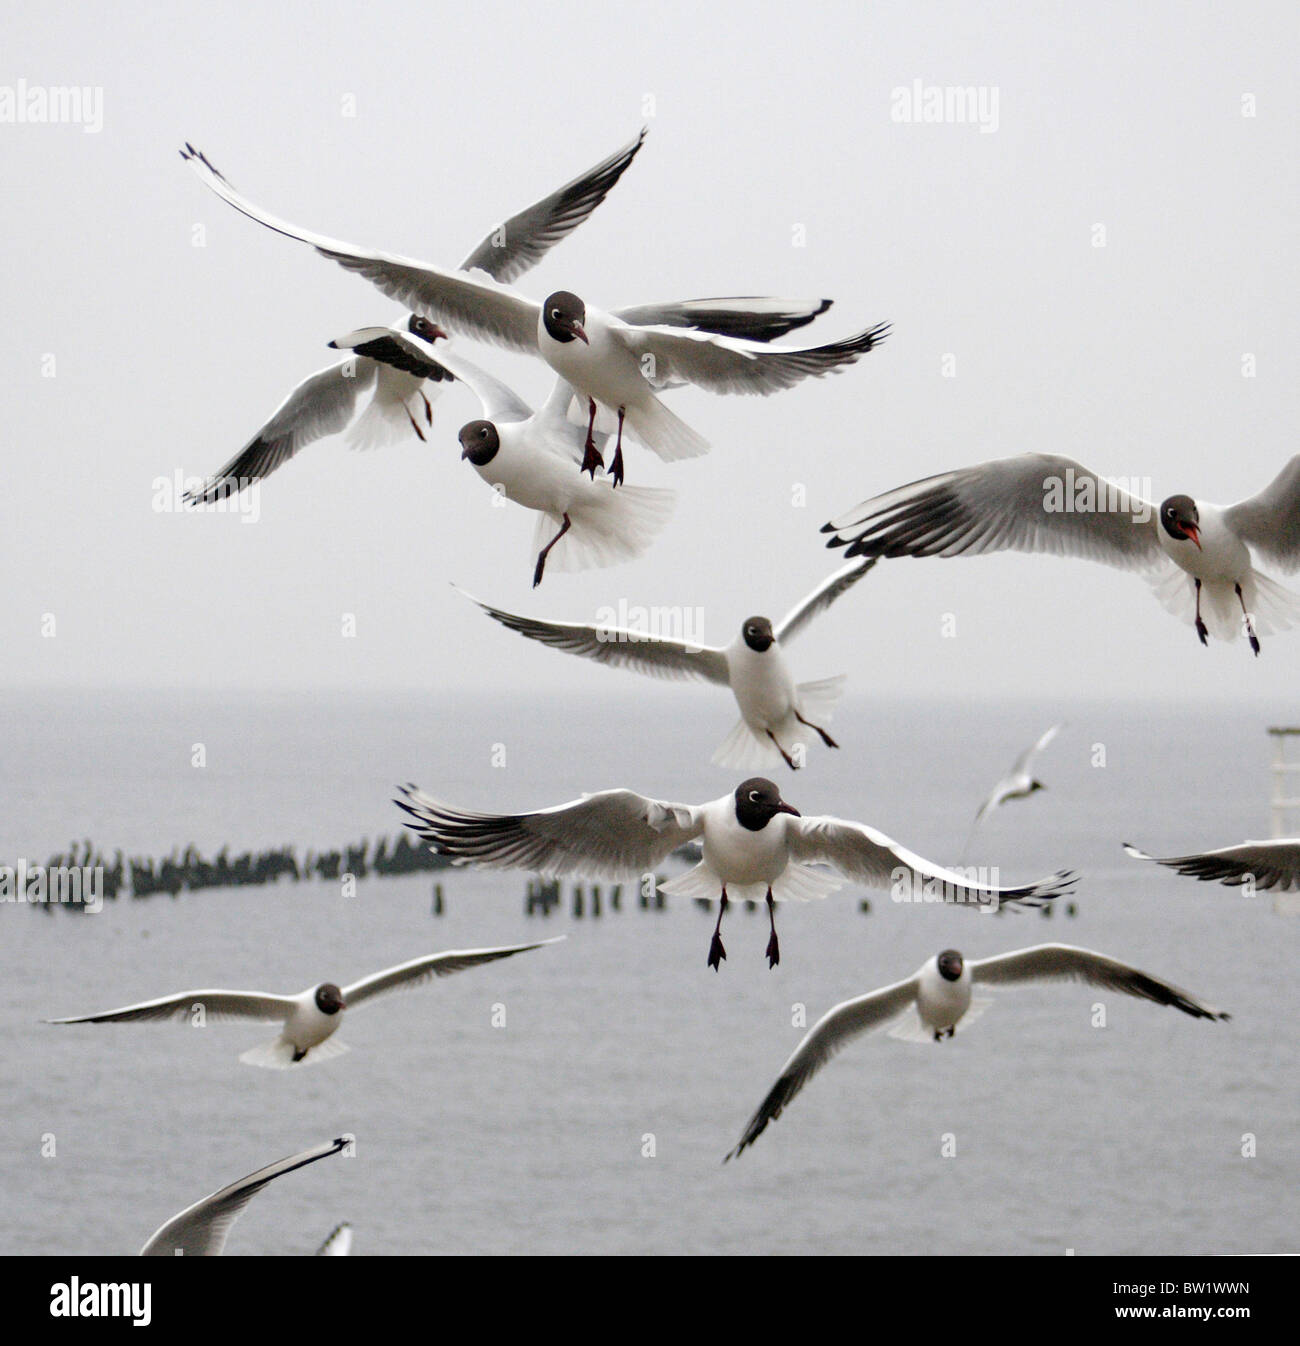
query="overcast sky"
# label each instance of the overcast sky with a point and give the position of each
(132, 354)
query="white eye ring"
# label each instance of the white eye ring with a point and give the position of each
(753, 796)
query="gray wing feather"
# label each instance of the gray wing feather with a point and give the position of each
(615, 832)
(1270, 521)
(472, 303)
(216, 1006)
(418, 971)
(1265, 864)
(727, 365)
(835, 586)
(319, 406)
(1067, 962)
(618, 648)
(526, 237)
(749, 317)
(1011, 504)
(200, 1230)
(835, 1029)
(864, 855)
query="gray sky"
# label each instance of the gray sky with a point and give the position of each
(769, 123)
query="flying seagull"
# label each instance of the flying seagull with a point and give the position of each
(529, 457)
(616, 359)
(1260, 864)
(1198, 557)
(201, 1230)
(941, 993)
(310, 1019)
(327, 401)
(777, 716)
(754, 845)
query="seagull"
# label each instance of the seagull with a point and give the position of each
(310, 1019)
(754, 844)
(201, 1230)
(529, 457)
(1018, 783)
(324, 403)
(338, 1243)
(777, 717)
(615, 359)
(941, 992)
(1198, 557)
(1260, 864)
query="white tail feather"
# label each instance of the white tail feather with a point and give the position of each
(278, 1054)
(664, 432)
(911, 1029)
(613, 526)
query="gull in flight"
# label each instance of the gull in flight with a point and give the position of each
(777, 716)
(618, 359)
(1257, 864)
(310, 1019)
(201, 1230)
(1018, 783)
(1199, 557)
(754, 845)
(397, 373)
(529, 457)
(940, 991)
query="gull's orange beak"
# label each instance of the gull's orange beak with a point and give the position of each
(783, 807)
(1190, 530)
(579, 333)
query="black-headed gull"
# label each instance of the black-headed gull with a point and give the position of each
(311, 1018)
(1019, 782)
(529, 457)
(326, 402)
(201, 1230)
(616, 359)
(754, 845)
(941, 992)
(1259, 864)
(1199, 557)
(777, 716)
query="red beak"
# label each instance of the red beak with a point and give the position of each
(438, 332)
(579, 333)
(783, 807)
(1190, 530)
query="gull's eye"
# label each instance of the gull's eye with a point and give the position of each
(555, 313)
(753, 796)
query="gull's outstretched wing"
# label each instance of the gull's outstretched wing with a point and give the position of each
(612, 645)
(1066, 962)
(320, 405)
(864, 855)
(200, 1230)
(470, 303)
(526, 237)
(1270, 521)
(409, 975)
(1031, 503)
(215, 1005)
(1265, 864)
(833, 587)
(728, 365)
(615, 832)
(835, 1029)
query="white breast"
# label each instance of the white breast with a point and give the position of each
(307, 1026)
(940, 1002)
(762, 684)
(738, 856)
